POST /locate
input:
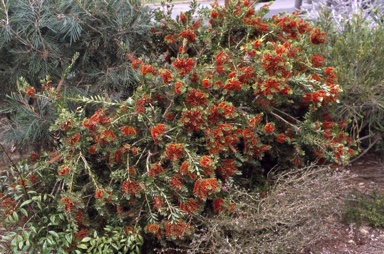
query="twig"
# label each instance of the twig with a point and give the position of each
(367, 149)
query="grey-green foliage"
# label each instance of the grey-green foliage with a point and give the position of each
(356, 49)
(40, 37)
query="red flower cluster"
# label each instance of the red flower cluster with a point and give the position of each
(223, 138)
(153, 229)
(175, 183)
(193, 119)
(130, 187)
(30, 91)
(97, 118)
(74, 139)
(157, 130)
(196, 98)
(221, 59)
(220, 205)
(183, 65)
(317, 61)
(99, 193)
(188, 34)
(105, 136)
(269, 128)
(177, 230)
(227, 168)
(154, 171)
(63, 170)
(140, 104)
(128, 131)
(157, 202)
(190, 206)
(69, 205)
(174, 151)
(166, 75)
(204, 187)
(147, 69)
(317, 37)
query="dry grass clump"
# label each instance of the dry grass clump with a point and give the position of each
(289, 218)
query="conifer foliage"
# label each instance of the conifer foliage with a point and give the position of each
(39, 38)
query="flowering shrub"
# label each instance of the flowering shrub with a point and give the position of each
(224, 101)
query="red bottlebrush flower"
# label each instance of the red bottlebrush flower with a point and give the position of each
(154, 171)
(227, 168)
(175, 183)
(196, 98)
(221, 58)
(154, 229)
(169, 39)
(255, 120)
(134, 150)
(63, 170)
(81, 234)
(146, 69)
(75, 138)
(204, 187)
(33, 157)
(328, 125)
(189, 35)
(177, 230)
(130, 187)
(92, 149)
(184, 168)
(128, 131)
(179, 87)
(183, 65)
(206, 162)
(214, 114)
(191, 206)
(214, 13)
(65, 126)
(206, 83)
(317, 37)
(194, 78)
(193, 119)
(30, 91)
(157, 130)
(105, 136)
(343, 125)
(131, 171)
(95, 119)
(174, 151)
(233, 84)
(69, 205)
(329, 71)
(218, 205)
(170, 117)
(99, 193)
(281, 138)
(269, 128)
(257, 44)
(182, 17)
(166, 75)
(227, 110)
(157, 202)
(317, 61)
(270, 86)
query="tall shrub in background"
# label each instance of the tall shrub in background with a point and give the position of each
(223, 102)
(356, 35)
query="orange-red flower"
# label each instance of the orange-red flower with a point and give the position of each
(157, 202)
(128, 131)
(184, 168)
(174, 151)
(281, 138)
(189, 35)
(153, 229)
(317, 37)
(183, 65)
(182, 17)
(178, 229)
(190, 206)
(206, 162)
(269, 128)
(179, 87)
(196, 98)
(169, 39)
(317, 61)
(204, 187)
(155, 170)
(30, 91)
(99, 193)
(166, 75)
(233, 84)
(130, 187)
(227, 168)
(33, 157)
(147, 69)
(63, 170)
(193, 119)
(175, 183)
(69, 205)
(157, 130)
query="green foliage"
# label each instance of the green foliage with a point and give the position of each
(365, 208)
(38, 38)
(356, 50)
(221, 103)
